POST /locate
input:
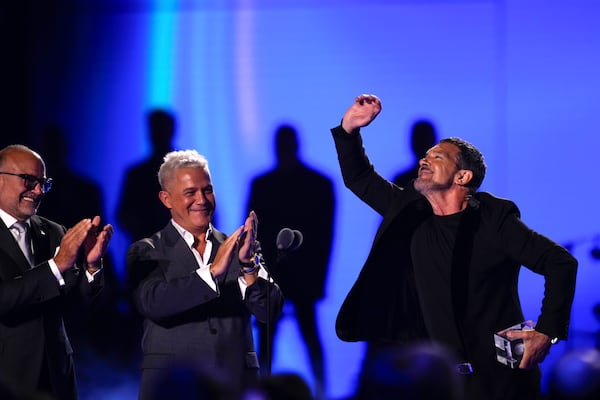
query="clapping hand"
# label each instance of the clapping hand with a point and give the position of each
(96, 243)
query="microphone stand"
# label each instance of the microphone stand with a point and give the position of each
(268, 325)
(282, 251)
(269, 318)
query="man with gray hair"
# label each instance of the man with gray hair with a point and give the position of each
(197, 287)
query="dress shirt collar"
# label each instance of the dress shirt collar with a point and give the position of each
(188, 237)
(8, 219)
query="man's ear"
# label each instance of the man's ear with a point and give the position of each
(165, 198)
(463, 177)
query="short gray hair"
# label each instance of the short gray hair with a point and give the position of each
(178, 159)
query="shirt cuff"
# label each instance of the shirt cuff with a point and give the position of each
(90, 277)
(56, 272)
(262, 273)
(207, 277)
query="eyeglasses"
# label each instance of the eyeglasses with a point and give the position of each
(32, 181)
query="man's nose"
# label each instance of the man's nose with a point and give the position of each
(38, 189)
(200, 197)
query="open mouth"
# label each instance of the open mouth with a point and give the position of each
(30, 199)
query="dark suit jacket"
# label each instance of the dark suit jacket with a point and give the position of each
(184, 318)
(389, 301)
(31, 305)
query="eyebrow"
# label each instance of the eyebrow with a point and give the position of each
(437, 151)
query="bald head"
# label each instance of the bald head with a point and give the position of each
(14, 152)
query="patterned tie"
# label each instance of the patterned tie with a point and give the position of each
(23, 239)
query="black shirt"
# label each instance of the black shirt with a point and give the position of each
(432, 250)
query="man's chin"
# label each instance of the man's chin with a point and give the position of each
(29, 208)
(419, 185)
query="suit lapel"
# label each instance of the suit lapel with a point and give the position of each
(184, 261)
(40, 237)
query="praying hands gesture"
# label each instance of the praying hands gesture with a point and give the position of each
(243, 238)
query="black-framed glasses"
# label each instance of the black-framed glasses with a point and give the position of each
(32, 181)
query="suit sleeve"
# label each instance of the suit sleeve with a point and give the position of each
(545, 257)
(34, 287)
(256, 300)
(359, 174)
(156, 295)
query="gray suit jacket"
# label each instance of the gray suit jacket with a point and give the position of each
(185, 319)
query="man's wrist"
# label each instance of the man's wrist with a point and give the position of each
(252, 265)
(96, 266)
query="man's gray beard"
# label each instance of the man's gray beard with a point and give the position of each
(428, 186)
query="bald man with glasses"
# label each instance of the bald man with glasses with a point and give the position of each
(43, 268)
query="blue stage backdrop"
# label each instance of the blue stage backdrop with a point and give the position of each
(518, 79)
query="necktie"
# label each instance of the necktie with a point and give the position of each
(24, 240)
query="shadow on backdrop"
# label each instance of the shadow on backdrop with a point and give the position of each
(296, 196)
(140, 219)
(423, 137)
(139, 210)
(75, 197)
(99, 335)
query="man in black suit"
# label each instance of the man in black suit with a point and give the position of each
(54, 268)
(196, 287)
(445, 262)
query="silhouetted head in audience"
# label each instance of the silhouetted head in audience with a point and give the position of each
(280, 386)
(161, 124)
(420, 371)
(576, 376)
(186, 379)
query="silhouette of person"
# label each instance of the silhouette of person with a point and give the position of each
(140, 219)
(65, 205)
(140, 213)
(423, 137)
(296, 196)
